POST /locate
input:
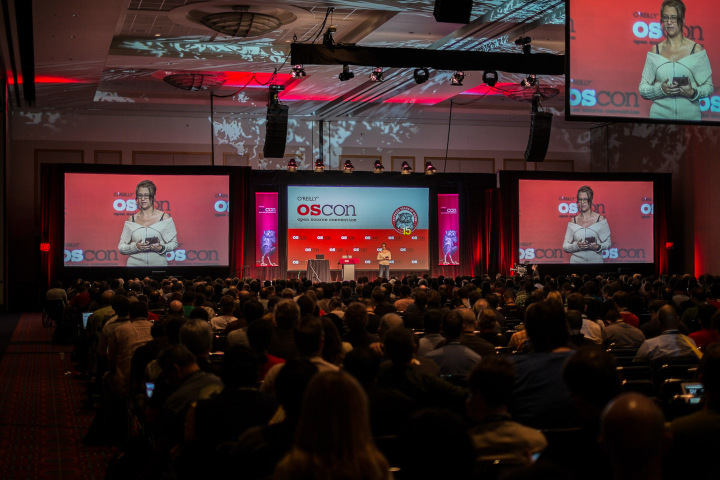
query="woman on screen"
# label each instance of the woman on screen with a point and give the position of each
(589, 233)
(677, 71)
(150, 233)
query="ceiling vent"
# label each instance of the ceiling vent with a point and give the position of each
(241, 23)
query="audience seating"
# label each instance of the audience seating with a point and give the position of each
(640, 372)
(646, 387)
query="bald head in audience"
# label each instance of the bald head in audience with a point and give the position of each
(176, 306)
(667, 315)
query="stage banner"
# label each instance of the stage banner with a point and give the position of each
(355, 222)
(448, 229)
(99, 209)
(617, 71)
(266, 229)
(549, 232)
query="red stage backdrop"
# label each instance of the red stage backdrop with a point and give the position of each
(337, 221)
(609, 43)
(547, 206)
(266, 229)
(97, 206)
(448, 229)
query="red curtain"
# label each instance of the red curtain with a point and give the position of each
(241, 203)
(501, 228)
(52, 186)
(661, 217)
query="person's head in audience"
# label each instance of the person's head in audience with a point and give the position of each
(177, 363)
(421, 299)
(307, 306)
(654, 306)
(612, 316)
(363, 364)
(486, 320)
(197, 336)
(260, 334)
(188, 298)
(575, 301)
(668, 318)
(333, 438)
(240, 367)
(332, 351)
(432, 320)
(468, 320)
(621, 300)
(546, 327)
(227, 305)
(634, 437)
(290, 386)
(399, 346)
(387, 323)
(138, 310)
(592, 378)
(287, 314)
(574, 320)
(452, 325)
(491, 383)
(309, 337)
(199, 313)
(121, 306)
(356, 317)
(106, 298)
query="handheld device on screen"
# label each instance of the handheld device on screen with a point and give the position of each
(86, 316)
(590, 239)
(694, 388)
(149, 389)
(152, 240)
(681, 81)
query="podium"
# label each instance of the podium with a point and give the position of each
(348, 267)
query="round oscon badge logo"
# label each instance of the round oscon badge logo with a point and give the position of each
(405, 220)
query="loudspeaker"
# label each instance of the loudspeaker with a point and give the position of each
(453, 11)
(540, 124)
(275, 131)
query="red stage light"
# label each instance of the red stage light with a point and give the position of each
(45, 79)
(669, 245)
(44, 247)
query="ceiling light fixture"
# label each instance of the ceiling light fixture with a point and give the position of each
(490, 78)
(406, 168)
(421, 75)
(346, 74)
(528, 81)
(319, 166)
(377, 75)
(524, 42)
(195, 82)
(457, 79)
(241, 22)
(292, 166)
(297, 71)
(328, 35)
(378, 167)
(348, 167)
(429, 169)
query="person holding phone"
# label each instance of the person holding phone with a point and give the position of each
(677, 71)
(150, 233)
(589, 233)
(384, 256)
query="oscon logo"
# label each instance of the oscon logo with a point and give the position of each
(604, 98)
(222, 206)
(647, 209)
(572, 209)
(192, 255)
(540, 253)
(447, 211)
(632, 253)
(121, 205)
(75, 256)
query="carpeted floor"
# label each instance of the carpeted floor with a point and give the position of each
(42, 419)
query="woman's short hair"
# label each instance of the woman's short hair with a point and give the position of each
(679, 7)
(587, 190)
(146, 184)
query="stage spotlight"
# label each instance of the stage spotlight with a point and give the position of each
(421, 75)
(377, 75)
(406, 168)
(348, 167)
(528, 81)
(429, 169)
(378, 167)
(346, 74)
(297, 71)
(328, 36)
(525, 43)
(457, 79)
(292, 166)
(319, 166)
(490, 78)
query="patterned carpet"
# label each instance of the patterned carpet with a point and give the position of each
(42, 419)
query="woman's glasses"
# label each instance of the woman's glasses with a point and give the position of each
(143, 195)
(671, 18)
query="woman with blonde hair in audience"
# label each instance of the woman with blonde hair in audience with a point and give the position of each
(333, 439)
(555, 298)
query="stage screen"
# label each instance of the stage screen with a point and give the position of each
(266, 229)
(99, 230)
(615, 70)
(448, 229)
(355, 221)
(619, 222)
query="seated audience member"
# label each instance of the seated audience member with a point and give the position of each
(486, 324)
(188, 302)
(696, 437)
(590, 328)
(652, 329)
(334, 348)
(671, 343)
(468, 338)
(382, 306)
(621, 300)
(431, 323)
(287, 316)
(541, 398)
(691, 316)
(356, 319)
(336, 307)
(81, 301)
(199, 313)
(454, 358)
(197, 336)
(497, 436)
(227, 305)
(121, 308)
(415, 311)
(260, 333)
(122, 344)
(452, 458)
(406, 300)
(258, 451)
(620, 334)
(226, 416)
(510, 309)
(309, 340)
(577, 337)
(634, 437)
(709, 322)
(334, 402)
(57, 293)
(427, 391)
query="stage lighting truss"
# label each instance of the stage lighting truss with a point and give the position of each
(490, 78)
(348, 167)
(346, 74)
(292, 166)
(528, 93)
(421, 75)
(429, 169)
(377, 75)
(406, 168)
(457, 78)
(319, 166)
(297, 71)
(378, 167)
